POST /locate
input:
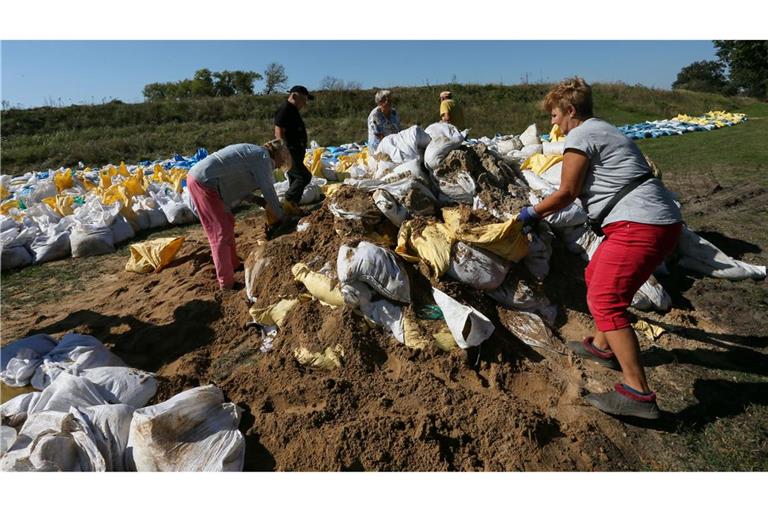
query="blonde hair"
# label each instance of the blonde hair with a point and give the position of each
(276, 149)
(382, 95)
(571, 92)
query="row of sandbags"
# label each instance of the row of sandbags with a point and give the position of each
(88, 412)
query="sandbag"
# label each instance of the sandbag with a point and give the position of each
(390, 207)
(509, 144)
(110, 425)
(459, 188)
(474, 267)
(406, 145)
(7, 438)
(553, 148)
(21, 359)
(51, 246)
(433, 244)
(67, 391)
(517, 294)
(255, 264)
(320, 286)
(442, 144)
(539, 254)
(468, 326)
(121, 384)
(121, 230)
(153, 255)
(15, 257)
(700, 255)
(530, 136)
(531, 330)
(193, 431)
(91, 240)
(652, 295)
(53, 441)
(385, 314)
(14, 412)
(328, 359)
(375, 266)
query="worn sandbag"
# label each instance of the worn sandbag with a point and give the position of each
(477, 268)
(91, 240)
(50, 247)
(377, 267)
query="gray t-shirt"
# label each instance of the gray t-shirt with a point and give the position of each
(614, 161)
(236, 171)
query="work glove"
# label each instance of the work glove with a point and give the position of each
(529, 218)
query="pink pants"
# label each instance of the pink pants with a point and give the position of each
(625, 259)
(219, 226)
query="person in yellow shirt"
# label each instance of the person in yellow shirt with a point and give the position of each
(450, 111)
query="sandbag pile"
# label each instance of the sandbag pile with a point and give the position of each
(90, 413)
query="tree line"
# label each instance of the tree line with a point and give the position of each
(741, 68)
(208, 84)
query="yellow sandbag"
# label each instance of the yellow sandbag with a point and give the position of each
(330, 189)
(314, 162)
(648, 330)
(539, 163)
(153, 255)
(415, 340)
(433, 245)
(274, 314)
(63, 180)
(556, 135)
(4, 193)
(328, 359)
(61, 204)
(505, 239)
(321, 287)
(7, 206)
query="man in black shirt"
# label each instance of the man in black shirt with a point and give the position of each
(289, 126)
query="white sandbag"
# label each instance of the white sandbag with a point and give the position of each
(553, 148)
(390, 207)
(193, 431)
(111, 425)
(40, 344)
(255, 264)
(652, 296)
(383, 169)
(460, 188)
(53, 441)
(506, 146)
(94, 213)
(537, 183)
(177, 213)
(527, 152)
(406, 145)
(7, 223)
(74, 354)
(15, 257)
(460, 318)
(42, 190)
(356, 294)
(20, 369)
(377, 267)
(7, 438)
(14, 412)
(530, 136)
(477, 268)
(408, 170)
(147, 207)
(121, 230)
(438, 149)
(700, 255)
(516, 294)
(68, 391)
(91, 240)
(385, 314)
(539, 254)
(51, 246)
(312, 194)
(553, 175)
(121, 384)
(588, 243)
(443, 129)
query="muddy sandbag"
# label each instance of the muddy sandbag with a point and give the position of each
(255, 264)
(91, 240)
(459, 187)
(14, 412)
(193, 431)
(390, 207)
(406, 145)
(530, 329)
(121, 230)
(539, 253)
(375, 266)
(387, 315)
(477, 268)
(53, 441)
(443, 142)
(468, 326)
(121, 384)
(51, 246)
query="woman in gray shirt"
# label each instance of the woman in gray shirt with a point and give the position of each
(600, 166)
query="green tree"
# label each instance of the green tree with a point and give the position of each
(747, 63)
(703, 76)
(202, 83)
(275, 78)
(242, 81)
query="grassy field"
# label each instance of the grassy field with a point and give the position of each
(42, 138)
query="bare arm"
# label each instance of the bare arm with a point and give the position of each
(575, 165)
(279, 132)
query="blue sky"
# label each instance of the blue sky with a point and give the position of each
(35, 73)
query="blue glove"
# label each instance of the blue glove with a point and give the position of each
(528, 216)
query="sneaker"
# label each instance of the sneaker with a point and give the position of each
(623, 402)
(586, 350)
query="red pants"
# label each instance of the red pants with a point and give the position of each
(621, 264)
(219, 226)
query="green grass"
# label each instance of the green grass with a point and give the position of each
(42, 138)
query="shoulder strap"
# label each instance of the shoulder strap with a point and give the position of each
(626, 189)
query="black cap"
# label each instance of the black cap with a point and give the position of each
(302, 90)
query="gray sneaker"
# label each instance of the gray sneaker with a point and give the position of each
(620, 403)
(586, 350)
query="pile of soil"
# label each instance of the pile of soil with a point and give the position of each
(501, 406)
